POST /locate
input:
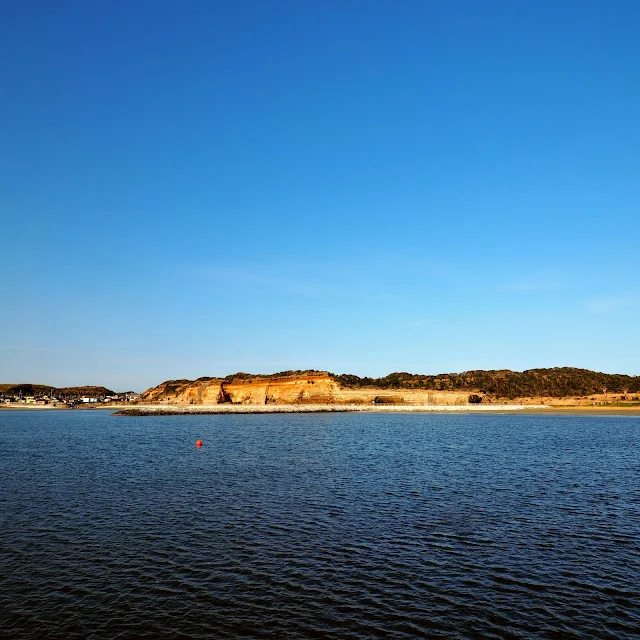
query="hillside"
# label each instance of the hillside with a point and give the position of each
(558, 382)
(28, 389)
(318, 387)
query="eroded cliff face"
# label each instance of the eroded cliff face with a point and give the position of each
(204, 392)
(304, 389)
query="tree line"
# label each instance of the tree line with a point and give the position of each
(29, 389)
(556, 382)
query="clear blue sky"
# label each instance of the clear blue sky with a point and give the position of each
(198, 188)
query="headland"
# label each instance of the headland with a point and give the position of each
(314, 391)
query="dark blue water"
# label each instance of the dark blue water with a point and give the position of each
(319, 526)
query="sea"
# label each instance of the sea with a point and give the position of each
(319, 526)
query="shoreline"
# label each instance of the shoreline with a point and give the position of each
(231, 409)
(228, 409)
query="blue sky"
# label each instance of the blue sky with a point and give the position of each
(198, 188)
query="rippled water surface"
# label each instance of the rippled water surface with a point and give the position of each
(326, 525)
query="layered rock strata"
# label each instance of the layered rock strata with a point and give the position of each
(305, 389)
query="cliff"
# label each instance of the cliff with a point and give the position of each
(580, 386)
(298, 388)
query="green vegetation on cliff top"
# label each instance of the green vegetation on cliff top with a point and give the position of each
(557, 382)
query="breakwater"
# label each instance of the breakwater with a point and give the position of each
(225, 409)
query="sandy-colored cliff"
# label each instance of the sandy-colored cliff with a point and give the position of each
(558, 386)
(315, 388)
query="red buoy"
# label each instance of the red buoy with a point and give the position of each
(198, 443)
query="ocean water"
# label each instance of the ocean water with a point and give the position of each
(319, 526)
